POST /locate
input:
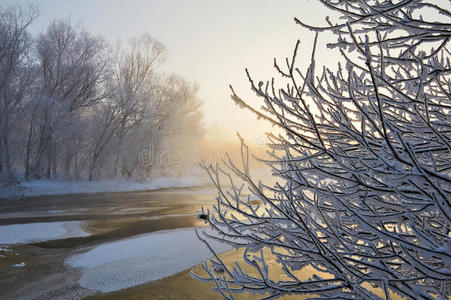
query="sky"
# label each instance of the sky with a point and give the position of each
(209, 42)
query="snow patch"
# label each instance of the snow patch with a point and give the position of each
(22, 264)
(39, 232)
(130, 262)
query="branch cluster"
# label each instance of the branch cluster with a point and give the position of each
(364, 163)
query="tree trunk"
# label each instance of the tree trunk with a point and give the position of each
(28, 149)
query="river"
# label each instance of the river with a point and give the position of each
(37, 269)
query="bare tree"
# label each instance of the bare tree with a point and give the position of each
(15, 78)
(146, 111)
(174, 127)
(130, 95)
(72, 106)
(364, 165)
(72, 69)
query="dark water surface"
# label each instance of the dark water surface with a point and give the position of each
(106, 216)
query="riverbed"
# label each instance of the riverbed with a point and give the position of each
(75, 246)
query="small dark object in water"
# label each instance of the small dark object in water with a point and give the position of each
(218, 267)
(203, 217)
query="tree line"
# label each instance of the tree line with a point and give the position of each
(73, 105)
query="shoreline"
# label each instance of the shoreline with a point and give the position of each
(42, 188)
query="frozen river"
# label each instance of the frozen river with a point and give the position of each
(73, 246)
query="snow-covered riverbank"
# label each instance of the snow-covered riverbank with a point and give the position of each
(55, 187)
(193, 178)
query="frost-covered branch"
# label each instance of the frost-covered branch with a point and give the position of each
(364, 165)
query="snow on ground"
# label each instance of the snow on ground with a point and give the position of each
(55, 187)
(193, 178)
(22, 264)
(130, 262)
(38, 232)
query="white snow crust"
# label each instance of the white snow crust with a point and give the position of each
(39, 232)
(133, 261)
(56, 187)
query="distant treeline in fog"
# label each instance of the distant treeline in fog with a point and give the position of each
(75, 106)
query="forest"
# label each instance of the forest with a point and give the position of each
(75, 106)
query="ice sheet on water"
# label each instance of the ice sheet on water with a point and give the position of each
(130, 262)
(39, 232)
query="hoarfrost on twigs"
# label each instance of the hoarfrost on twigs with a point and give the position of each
(364, 188)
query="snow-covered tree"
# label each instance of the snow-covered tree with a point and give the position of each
(15, 79)
(72, 65)
(129, 90)
(364, 165)
(145, 111)
(171, 124)
(73, 106)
